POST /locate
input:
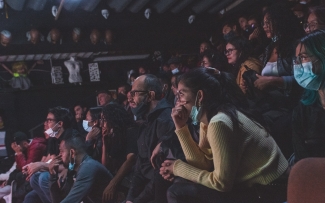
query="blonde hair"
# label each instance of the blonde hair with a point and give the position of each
(18, 66)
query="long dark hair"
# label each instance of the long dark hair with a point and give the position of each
(117, 117)
(95, 113)
(285, 26)
(221, 94)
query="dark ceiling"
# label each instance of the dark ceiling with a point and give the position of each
(167, 28)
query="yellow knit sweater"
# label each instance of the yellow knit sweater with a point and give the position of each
(225, 158)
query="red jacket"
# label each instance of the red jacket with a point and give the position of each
(35, 153)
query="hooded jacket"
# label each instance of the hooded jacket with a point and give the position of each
(34, 153)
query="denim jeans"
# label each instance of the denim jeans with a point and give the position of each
(40, 184)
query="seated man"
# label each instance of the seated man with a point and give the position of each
(25, 153)
(104, 97)
(57, 126)
(91, 177)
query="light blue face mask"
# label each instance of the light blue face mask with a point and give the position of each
(71, 165)
(85, 126)
(194, 115)
(305, 76)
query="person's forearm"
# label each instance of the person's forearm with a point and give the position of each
(276, 81)
(44, 166)
(106, 160)
(124, 169)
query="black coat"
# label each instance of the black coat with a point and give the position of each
(308, 131)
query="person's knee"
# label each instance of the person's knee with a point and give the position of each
(34, 180)
(43, 180)
(172, 192)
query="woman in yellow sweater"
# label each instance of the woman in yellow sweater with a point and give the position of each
(234, 153)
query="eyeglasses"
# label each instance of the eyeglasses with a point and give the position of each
(49, 120)
(132, 93)
(228, 51)
(311, 26)
(102, 120)
(302, 58)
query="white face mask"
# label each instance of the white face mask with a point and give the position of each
(50, 131)
(175, 71)
(85, 126)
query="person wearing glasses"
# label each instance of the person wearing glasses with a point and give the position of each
(156, 136)
(309, 116)
(280, 92)
(316, 19)
(57, 126)
(238, 52)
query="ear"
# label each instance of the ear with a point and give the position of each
(234, 28)
(200, 96)
(72, 153)
(60, 124)
(152, 95)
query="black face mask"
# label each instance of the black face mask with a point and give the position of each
(141, 109)
(229, 35)
(121, 98)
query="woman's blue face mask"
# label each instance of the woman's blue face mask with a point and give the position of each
(306, 77)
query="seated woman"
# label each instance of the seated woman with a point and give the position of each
(235, 152)
(238, 52)
(119, 146)
(280, 91)
(214, 59)
(309, 116)
(316, 19)
(94, 137)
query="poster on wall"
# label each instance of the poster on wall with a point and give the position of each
(94, 74)
(56, 74)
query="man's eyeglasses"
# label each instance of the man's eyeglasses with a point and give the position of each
(228, 51)
(133, 92)
(49, 120)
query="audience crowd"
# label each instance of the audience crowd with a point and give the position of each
(228, 130)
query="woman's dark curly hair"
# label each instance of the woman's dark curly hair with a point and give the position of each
(117, 117)
(285, 26)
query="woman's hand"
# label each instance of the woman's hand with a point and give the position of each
(180, 115)
(255, 34)
(166, 170)
(93, 133)
(262, 82)
(109, 192)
